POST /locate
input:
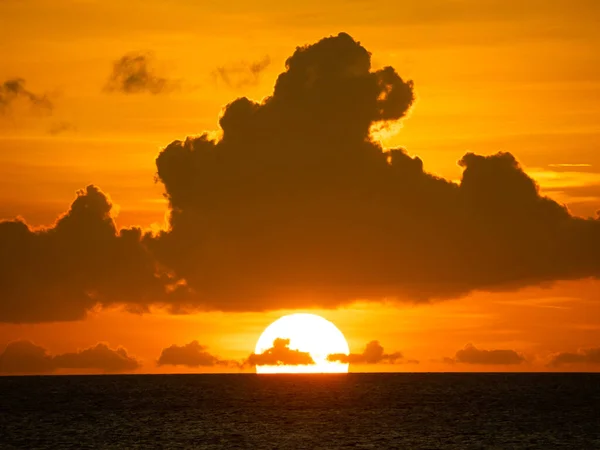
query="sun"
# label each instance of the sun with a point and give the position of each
(306, 333)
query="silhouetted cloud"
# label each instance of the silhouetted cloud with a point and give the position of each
(296, 202)
(590, 356)
(59, 273)
(25, 357)
(101, 357)
(472, 355)
(372, 354)
(134, 73)
(242, 74)
(190, 355)
(11, 91)
(280, 355)
(297, 206)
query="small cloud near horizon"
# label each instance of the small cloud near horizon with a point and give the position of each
(280, 355)
(25, 357)
(589, 356)
(372, 354)
(191, 355)
(472, 355)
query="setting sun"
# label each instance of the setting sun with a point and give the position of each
(307, 333)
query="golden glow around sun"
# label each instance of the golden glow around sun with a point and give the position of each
(307, 333)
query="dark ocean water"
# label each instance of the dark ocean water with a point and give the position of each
(410, 411)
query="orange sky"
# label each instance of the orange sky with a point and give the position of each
(519, 77)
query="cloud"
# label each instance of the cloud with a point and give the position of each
(190, 355)
(242, 74)
(61, 272)
(280, 355)
(590, 356)
(372, 354)
(24, 357)
(14, 90)
(296, 202)
(472, 355)
(296, 206)
(134, 73)
(101, 357)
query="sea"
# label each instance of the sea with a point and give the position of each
(249, 411)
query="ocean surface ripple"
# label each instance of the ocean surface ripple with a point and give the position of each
(411, 411)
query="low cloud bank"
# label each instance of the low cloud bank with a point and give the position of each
(25, 357)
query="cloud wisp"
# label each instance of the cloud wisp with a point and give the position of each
(14, 90)
(61, 127)
(134, 73)
(241, 74)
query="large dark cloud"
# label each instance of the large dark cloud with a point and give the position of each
(14, 90)
(472, 355)
(372, 354)
(280, 355)
(590, 356)
(24, 357)
(296, 206)
(190, 355)
(241, 74)
(134, 73)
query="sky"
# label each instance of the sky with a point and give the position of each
(422, 174)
